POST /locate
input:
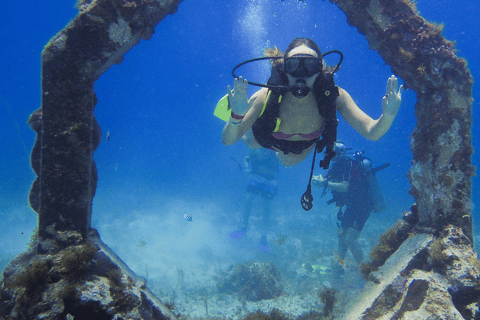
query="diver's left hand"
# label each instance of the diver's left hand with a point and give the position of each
(393, 98)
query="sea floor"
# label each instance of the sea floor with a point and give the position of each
(301, 295)
(184, 261)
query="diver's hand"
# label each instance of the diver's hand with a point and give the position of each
(317, 181)
(238, 97)
(393, 98)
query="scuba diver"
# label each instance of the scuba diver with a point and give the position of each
(262, 165)
(296, 110)
(353, 185)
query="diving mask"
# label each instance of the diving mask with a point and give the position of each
(302, 65)
(297, 63)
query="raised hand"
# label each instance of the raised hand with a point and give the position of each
(238, 97)
(393, 98)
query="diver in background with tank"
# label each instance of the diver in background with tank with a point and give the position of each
(262, 165)
(353, 185)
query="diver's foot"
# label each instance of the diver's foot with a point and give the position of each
(235, 235)
(263, 244)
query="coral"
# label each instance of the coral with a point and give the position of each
(412, 4)
(32, 244)
(421, 70)
(274, 314)
(366, 268)
(34, 279)
(388, 243)
(438, 258)
(75, 260)
(173, 308)
(26, 289)
(406, 55)
(312, 315)
(253, 281)
(83, 5)
(327, 296)
(115, 276)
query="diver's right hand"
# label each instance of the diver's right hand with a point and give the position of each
(317, 181)
(238, 97)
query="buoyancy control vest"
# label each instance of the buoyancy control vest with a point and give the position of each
(326, 94)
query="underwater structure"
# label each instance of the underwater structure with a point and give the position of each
(426, 268)
(69, 273)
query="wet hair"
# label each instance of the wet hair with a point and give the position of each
(274, 52)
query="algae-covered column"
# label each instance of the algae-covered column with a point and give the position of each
(67, 130)
(441, 142)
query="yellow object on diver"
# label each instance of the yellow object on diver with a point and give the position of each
(222, 111)
(318, 268)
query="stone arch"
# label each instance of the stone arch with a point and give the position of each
(62, 157)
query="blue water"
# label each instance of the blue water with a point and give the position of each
(165, 158)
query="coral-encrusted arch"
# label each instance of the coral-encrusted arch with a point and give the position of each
(67, 131)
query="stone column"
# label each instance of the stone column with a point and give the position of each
(67, 130)
(425, 266)
(69, 272)
(441, 142)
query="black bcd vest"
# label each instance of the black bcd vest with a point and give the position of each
(326, 94)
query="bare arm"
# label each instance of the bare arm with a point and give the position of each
(336, 186)
(339, 186)
(364, 124)
(246, 110)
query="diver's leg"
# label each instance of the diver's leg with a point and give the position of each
(250, 141)
(338, 261)
(342, 243)
(267, 204)
(267, 207)
(235, 235)
(355, 249)
(247, 210)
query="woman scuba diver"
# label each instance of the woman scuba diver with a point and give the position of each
(296, 110)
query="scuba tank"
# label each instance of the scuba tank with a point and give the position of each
(379, 203)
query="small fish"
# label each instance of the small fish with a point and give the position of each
(108, 135)
(187, 217)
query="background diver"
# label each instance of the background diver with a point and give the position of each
(353, 184)
(262, 165)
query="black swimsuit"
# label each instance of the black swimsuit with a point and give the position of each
(263, 130)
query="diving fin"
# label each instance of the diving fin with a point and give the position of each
(222, 111)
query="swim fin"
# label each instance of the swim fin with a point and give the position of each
(222, 111)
